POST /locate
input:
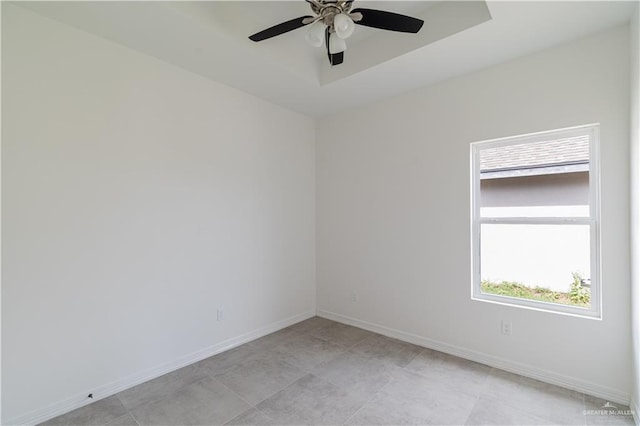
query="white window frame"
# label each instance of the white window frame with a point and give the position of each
(595, 309)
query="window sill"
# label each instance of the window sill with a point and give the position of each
(539, 306)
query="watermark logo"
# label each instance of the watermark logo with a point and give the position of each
(608, 409)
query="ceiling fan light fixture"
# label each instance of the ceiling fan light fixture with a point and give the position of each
(333, 21)
(336, 44)
(315, 34)
(343, 24)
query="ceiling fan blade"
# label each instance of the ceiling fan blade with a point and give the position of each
(388, 21)
(282, 28)
(336, 58)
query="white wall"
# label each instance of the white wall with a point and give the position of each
(393, 212)
(635, 206)
(137, 199)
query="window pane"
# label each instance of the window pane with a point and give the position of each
(539, 179)
(541, 262)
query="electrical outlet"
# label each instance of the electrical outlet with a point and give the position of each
(220, 314)
(354, 296)
(506, 327)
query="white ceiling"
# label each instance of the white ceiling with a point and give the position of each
(210, 39)
(367, 47)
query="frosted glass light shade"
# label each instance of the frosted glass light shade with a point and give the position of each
(343, 25)
(336, 44)
(315, 34)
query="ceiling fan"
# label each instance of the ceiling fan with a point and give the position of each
(334, 22)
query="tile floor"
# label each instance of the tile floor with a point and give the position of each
(319, 372)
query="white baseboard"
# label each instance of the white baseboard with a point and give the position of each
(546, 376)
(103, 391)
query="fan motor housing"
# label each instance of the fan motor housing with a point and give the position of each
(327, 8)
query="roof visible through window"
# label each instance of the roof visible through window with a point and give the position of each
(564, 155)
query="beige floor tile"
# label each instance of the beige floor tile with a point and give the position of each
(126, 420)
(310, 401)
(488, 411)
(357, 377)
(602, 412)
(341, 334)
(388, 350)
(252, 417)
(361, 376)
(410, 399)
(311, 324)
(207, 402)
(258, 379)
(99, 413)
(306, 351)
(225, 361)
(555, 404)
(161, 387)
(444, 367)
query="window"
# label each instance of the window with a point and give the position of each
(534, 224)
